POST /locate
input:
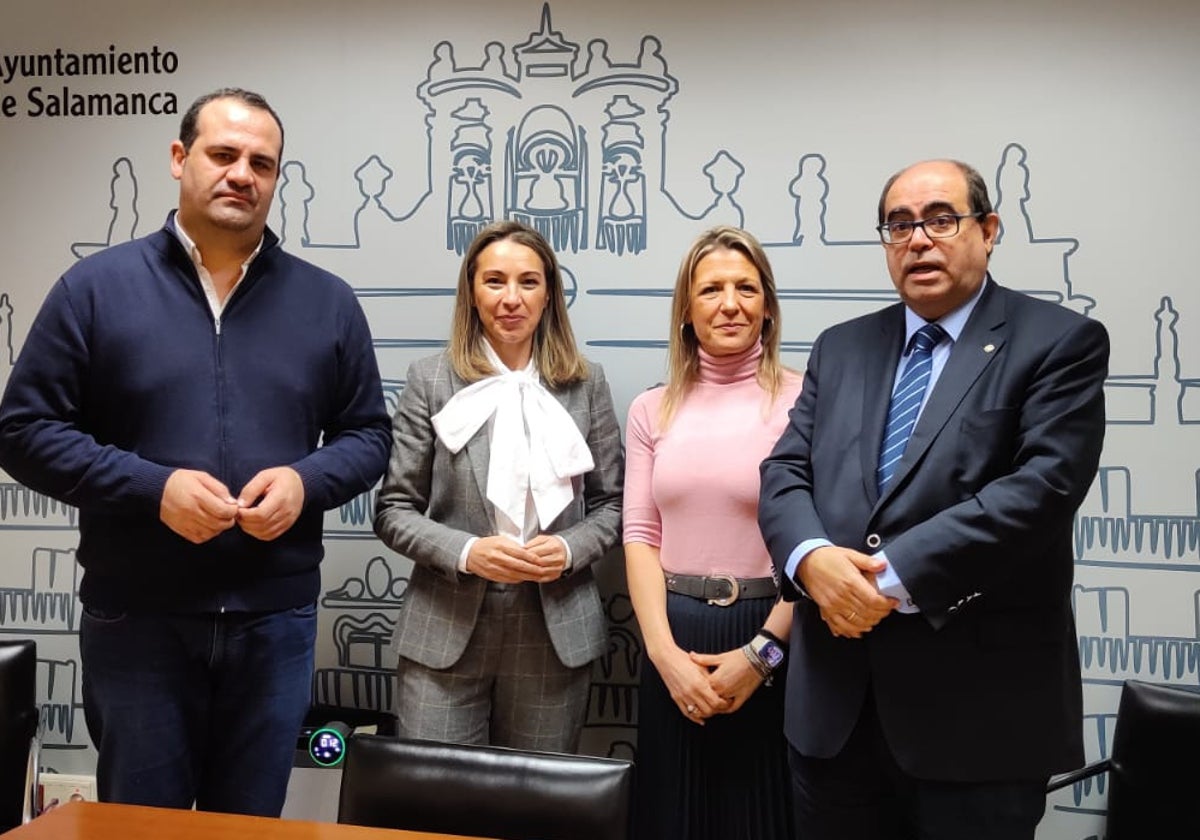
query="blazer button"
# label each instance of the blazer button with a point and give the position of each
(873, 541)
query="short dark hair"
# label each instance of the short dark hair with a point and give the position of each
(977, 191)
(187, 126)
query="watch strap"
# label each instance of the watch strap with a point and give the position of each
(756, 662)
(765, 632)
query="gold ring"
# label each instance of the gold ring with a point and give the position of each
(852, 614)
(691, 710)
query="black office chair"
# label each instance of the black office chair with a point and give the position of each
(319, 715)
(1149, 788)
(486, 791)
(19, 755)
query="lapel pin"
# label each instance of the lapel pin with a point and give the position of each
(988, 348)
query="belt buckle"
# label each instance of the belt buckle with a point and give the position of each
(733, 591)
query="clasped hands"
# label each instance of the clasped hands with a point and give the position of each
(703, 684)
(198, 506)
(842, 583)
(504, 560)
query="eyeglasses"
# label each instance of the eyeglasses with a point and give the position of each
(941, 226)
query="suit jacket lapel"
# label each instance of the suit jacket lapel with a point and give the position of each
(569, 399)
(980, 342)
(879, 372)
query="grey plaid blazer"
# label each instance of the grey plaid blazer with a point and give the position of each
(433, 501)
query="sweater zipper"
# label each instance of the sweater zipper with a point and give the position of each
(219, 378)
(222, 448)
(222, 414)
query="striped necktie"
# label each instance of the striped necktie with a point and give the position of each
(906, 401)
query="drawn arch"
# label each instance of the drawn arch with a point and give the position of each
(547, 177)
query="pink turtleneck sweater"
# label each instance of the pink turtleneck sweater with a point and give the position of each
(693, 490)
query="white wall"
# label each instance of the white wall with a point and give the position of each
(1082, 113)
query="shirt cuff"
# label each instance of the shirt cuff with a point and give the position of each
(889, 584)
(462, 558)
(792, 566)
(567, 549)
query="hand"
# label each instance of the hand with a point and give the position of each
(842, 582)
(551, 553)
(502, 560)
(689, 685)
(270, 503)
(196, 506)
(731, 676)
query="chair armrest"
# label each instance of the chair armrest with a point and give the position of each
(1085, 772)
(32, 804)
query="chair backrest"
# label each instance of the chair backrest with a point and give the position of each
(18, 724)
(1153, 769)
(485, 791)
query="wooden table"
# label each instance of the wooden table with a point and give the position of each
(105, 821)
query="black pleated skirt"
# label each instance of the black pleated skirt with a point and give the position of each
(728, 779)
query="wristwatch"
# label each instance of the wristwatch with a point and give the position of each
(768, 649)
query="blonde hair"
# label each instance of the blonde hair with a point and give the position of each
(683, 352)
(557, 358)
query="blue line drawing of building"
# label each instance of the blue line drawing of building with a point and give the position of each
(46, 607)
(123, 197)
(544, 170)
(49, 604)
(60, 710)
(363, 674)
(574, 137)
(1137, 593)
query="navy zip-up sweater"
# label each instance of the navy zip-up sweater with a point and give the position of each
(125, 377)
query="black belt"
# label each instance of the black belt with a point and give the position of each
(721, 590)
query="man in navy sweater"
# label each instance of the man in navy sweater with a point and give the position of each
(202, 397)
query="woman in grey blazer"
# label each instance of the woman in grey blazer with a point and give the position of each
(504, 487)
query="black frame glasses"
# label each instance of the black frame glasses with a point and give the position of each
(938, 226)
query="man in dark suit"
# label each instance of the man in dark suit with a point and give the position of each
(918, 509)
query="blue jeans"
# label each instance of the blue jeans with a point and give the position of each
(197, 709)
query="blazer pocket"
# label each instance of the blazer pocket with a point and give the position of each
(987, 444)
(1019, 631)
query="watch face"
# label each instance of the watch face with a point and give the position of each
(326, 747)
(772, 654)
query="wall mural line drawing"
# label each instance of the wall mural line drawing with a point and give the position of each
(576, 142)
(123, 195)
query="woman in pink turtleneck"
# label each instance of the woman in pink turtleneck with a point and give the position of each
(712, 760)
